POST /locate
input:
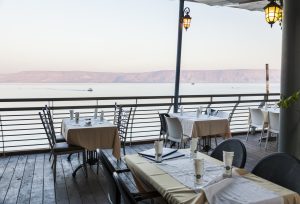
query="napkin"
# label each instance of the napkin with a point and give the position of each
(181, 110)
(102, 115)
(71, 114)
(95, 113)
(239, 190)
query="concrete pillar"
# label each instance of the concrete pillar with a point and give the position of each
(289, 139)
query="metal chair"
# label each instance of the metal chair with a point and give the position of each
(163, 124)
(61, 147)
(129, 197)
(232, 145)
(256, 120)
(122, 122)
(175, 132)
(273, 126)
(280, 168)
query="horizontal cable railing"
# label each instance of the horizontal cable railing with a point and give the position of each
(22, 130)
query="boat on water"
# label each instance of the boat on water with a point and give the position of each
(90, 89)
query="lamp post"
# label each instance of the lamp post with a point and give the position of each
(184, 21)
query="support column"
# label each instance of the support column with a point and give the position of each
(178, 60)
(289, 139)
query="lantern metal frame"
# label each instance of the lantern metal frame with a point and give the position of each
(278, 12)
(186, 18)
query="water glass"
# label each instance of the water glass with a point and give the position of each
(158, 147)
(199, 170)
(227, 161)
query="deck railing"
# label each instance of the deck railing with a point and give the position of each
(21, 128)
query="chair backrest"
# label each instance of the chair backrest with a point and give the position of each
(232, 145)
(223, 114)
(47, 129)
(126, 195)
(280, 168)
(274, 122)
(175, 132)
(48, 118)
(123, 118)
(256, 116)
(163, 123)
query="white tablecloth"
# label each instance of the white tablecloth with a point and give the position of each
(203, 125)
(100, 134)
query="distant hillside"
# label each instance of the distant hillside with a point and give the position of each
(165, 76)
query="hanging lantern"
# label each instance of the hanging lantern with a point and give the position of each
(186, 20)
(280, 18)
(273, 12)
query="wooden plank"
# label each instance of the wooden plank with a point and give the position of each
(3, 164)
(71, 184)
(36, 195)
(96, 187)
(49, 191)
(82, 183)
(14, 187)
(25, 189)
(7, 176)
(60, 185)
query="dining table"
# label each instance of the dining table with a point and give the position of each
(203, 126)
(174, 180)
(91, 134)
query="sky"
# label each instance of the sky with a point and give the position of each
(131, 36)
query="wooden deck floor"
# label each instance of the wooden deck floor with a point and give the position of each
(28, 178)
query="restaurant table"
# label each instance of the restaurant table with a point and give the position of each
(148, 176)
(96, 135)
(203, 126)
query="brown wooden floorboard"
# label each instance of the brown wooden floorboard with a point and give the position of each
(29, 178)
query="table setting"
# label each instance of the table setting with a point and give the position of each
(199, 178)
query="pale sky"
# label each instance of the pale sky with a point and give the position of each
(131, 36)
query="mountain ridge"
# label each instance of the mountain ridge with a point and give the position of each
(162, 76)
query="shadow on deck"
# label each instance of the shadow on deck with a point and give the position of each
(28, 178)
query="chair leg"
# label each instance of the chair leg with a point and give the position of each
(98, 163)
(50, 155)
(216, 142)
(84, 163)
(54, 167)
(248, 133)
(267, 139)
(261, 136)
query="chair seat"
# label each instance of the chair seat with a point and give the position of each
(60, 138)
(65, 147)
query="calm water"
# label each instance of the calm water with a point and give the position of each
(126, 89)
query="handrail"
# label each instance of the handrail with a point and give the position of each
(21, 128)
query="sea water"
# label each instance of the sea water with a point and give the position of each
(56, 90)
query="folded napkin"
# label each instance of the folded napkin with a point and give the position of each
(238, 190)
(102, 115)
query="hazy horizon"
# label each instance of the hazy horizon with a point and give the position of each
(131, 36)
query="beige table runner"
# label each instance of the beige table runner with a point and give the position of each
(203, 125)
(100, 134)
(149, 176)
